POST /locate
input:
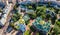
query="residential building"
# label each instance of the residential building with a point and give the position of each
(6, 11)
(2, 5)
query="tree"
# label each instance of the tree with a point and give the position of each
(32, 16)
(15, 17)
(0, 10)
(27, 32)
(58, 23)
(56, 28)
(41, 10)
(15, 7)
(32, 29)
(48, 16)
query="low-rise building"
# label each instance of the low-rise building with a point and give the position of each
(2, 5)
(41, 25)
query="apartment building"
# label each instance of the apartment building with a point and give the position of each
(6, 11)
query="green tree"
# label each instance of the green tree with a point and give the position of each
(0, 10)
(32, 16)
(41, 10)
(27, 32)
(48, 16)
(16, 17)
(58, 23)
(15, 7)
(56, 28)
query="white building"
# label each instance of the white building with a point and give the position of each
(4, 18)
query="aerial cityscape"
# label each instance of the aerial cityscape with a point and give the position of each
(29, 17)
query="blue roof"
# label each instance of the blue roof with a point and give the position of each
(2, 5)
(23, 28)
